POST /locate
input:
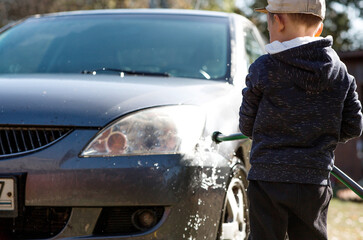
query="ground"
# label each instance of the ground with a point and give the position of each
(345, 220)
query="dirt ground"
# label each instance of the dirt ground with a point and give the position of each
(345, 220)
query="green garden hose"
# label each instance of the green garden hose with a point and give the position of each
(336, 172)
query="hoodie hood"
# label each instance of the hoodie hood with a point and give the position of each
(276, 46)
(315, 64)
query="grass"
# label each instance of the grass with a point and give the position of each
(345, 220)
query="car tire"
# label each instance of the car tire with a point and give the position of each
(234, 224)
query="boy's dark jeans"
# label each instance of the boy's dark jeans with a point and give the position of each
(279, 208)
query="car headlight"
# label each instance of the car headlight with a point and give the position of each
(160, 130)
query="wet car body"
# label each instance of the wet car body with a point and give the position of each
(63, 190)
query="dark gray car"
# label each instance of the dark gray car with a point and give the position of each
(106, 120)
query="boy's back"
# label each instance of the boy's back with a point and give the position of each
(306, 104)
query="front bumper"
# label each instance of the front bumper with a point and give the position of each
(189, 188)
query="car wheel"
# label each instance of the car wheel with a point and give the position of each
(234, 221)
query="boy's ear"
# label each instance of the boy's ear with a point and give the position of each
(280, 22)
(319, 30)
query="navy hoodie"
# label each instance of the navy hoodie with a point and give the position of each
(297, 106)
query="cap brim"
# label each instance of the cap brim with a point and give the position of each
(262, 10)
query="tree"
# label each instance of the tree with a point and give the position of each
(12, 10)
(336, 24)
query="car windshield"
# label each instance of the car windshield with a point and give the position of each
(170, 45)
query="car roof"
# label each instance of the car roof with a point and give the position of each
(140, 11)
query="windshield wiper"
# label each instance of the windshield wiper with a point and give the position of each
(128, 72)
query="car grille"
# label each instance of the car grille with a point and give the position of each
(121, 220)
(35, 223)
(20, 140)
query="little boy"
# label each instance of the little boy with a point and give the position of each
(298, 104)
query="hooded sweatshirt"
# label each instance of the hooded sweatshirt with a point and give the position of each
(299, 102)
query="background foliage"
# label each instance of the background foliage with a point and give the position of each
(337, 22)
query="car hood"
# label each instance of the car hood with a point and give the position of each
(94, 101)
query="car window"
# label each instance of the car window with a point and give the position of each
(182, 46)
(253, 48)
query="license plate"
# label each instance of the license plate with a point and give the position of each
(7, 194)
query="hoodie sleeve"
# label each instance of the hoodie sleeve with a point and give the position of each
(252, 95)
(352, 116)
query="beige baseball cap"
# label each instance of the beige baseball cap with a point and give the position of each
(314, 7)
